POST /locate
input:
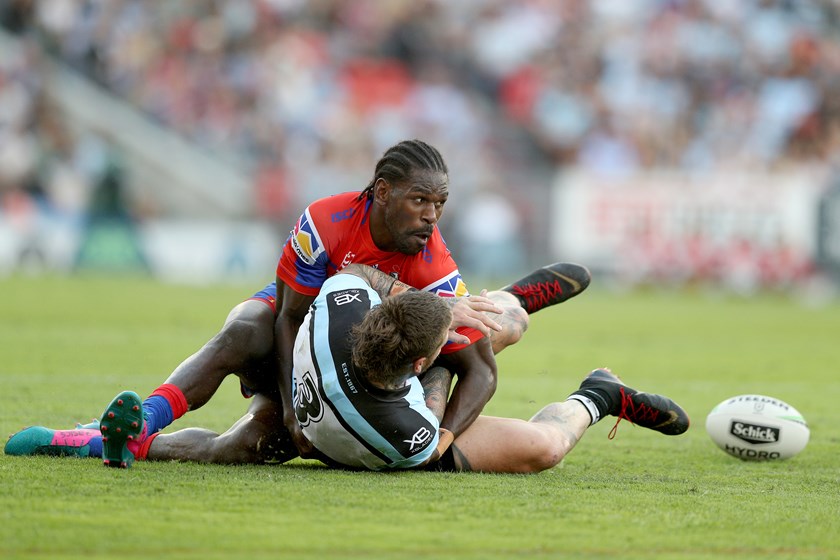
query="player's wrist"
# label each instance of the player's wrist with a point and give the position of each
(398, 287)
(445, 439)
(290, 421)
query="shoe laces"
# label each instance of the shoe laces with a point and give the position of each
(633, 412)
(539, 294)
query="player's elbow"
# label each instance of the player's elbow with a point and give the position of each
(492, 380)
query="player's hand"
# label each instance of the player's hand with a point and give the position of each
(473, 312)
(305, 448)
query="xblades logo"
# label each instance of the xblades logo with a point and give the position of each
(754, 433)
(419, 438)
(343, 298)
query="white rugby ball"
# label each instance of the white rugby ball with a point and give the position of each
(757, 428)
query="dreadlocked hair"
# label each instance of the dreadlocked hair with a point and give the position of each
(400, 161)
(398, 331)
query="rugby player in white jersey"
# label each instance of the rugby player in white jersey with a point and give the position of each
(358, 355)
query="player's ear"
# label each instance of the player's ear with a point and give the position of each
(418, 366)
(381, 191)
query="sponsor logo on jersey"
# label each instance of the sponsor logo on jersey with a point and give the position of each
(427, 255)
(343, 215)
(348, 259)
(754, 433)
(420, 437)
(346, 296)
(305, 240)
(451, 286)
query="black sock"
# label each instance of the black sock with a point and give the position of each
(599, 397)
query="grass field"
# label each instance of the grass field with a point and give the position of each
(67, 345)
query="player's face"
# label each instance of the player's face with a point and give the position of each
(413, 209)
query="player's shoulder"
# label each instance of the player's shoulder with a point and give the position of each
(435, 258)
(346, 299)
(337, 207)
(435, 270)
(436, 242)
(349, 283)
(333, 218)
(343, 281)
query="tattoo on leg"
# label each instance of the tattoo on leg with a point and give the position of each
(514, 322)
(560, 417)
(518, 319)
(461, 462)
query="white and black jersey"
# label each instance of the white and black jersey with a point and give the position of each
(346, 418)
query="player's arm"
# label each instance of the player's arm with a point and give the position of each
(290, 315)
(467, 312)
(381, 283)
(436, 382)
(475, 366)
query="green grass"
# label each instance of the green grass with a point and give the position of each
(67, 345)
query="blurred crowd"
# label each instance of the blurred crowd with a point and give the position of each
(307, 94)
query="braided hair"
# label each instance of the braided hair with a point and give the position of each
(400, 161)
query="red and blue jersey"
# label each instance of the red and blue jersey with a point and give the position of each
(334, 232)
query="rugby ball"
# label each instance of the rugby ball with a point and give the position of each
(757, 428)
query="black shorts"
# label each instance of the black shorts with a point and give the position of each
(445, 464)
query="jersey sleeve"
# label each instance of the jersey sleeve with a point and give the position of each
(304, 261)
(473, 334)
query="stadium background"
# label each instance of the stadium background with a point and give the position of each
(666, 142)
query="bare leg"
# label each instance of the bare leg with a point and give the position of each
(258, 437)
(246, 337)
(510, 445)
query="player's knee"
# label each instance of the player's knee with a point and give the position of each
(243, 338)
(514, 324)
(520, 321)
(237, 331)
(543, 454)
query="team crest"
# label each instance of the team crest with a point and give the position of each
(451, 286)
(305, 240)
